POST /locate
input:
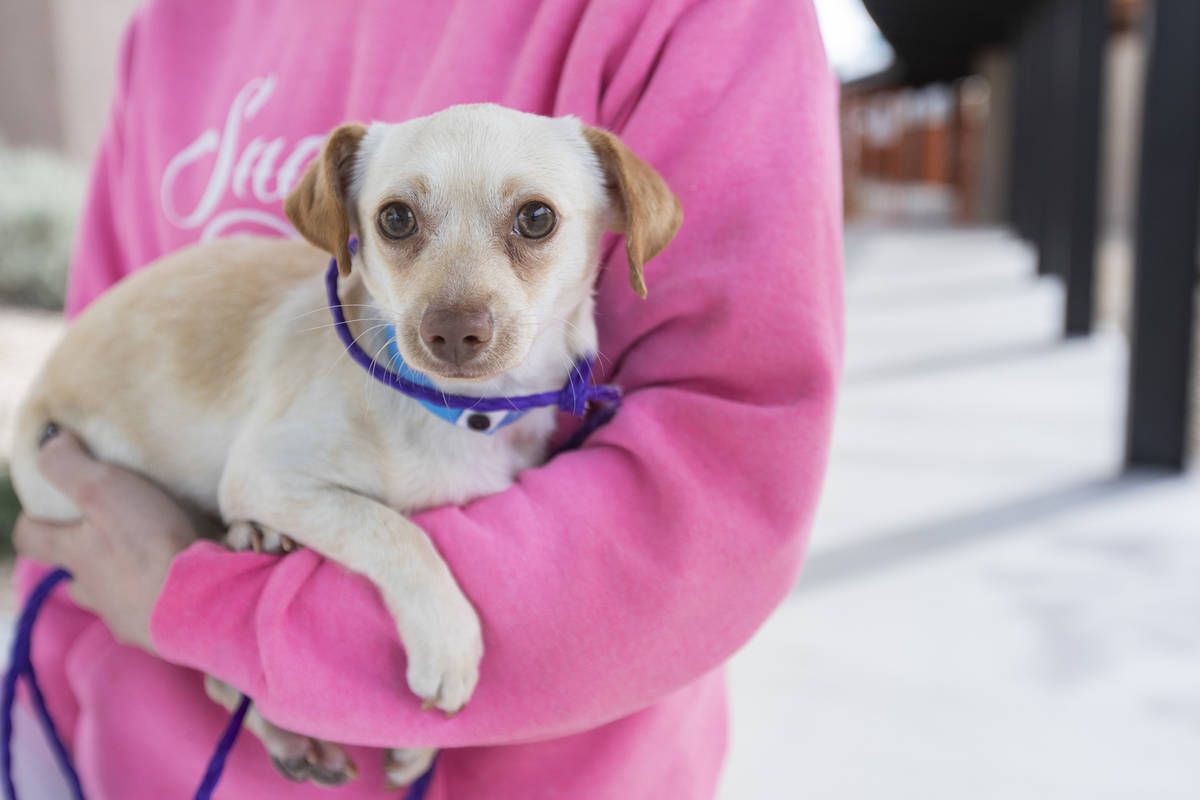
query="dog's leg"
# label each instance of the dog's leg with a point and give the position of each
(404, 765)
(438, 626)
(297, 757)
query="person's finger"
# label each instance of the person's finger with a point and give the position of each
(46, 542)
(66, 464)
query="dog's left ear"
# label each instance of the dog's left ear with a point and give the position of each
(650, 214)
(317, 206)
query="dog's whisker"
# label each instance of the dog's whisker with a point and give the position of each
(325, 325)
(342, 353)
(325, 309)
(367, 377)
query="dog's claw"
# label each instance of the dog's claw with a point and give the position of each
(428, 704)
(327, 777)
(294, 769)
(247, 535)
(402, 766)
(315, 756)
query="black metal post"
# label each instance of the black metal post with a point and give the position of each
(1072, 167)
(1031, 109)
(1163, 313)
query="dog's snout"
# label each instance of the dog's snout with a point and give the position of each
(455, 335)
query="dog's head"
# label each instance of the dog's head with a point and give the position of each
(479, 230)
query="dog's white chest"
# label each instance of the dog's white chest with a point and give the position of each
(428, 462)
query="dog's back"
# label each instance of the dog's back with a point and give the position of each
(95, 382)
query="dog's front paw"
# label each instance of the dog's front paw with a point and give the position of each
(402, 766)
(444, 644)
(260, 538)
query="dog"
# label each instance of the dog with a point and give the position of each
(215, 372)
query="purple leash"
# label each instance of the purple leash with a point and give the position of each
(21, 666)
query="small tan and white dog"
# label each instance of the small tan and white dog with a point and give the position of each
(214, 373)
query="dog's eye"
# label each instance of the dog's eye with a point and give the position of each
(535, 220)
(397, 221)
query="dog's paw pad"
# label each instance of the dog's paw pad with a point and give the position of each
(402, 766)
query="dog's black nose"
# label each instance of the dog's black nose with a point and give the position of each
(456, 335)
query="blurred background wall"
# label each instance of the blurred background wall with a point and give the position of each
(944, 146)
(58, 58)
(57, 73)
(1025, 114)
(942, 151)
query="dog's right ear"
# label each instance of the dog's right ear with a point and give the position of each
(317, 206)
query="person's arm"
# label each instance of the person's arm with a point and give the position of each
(618, 573)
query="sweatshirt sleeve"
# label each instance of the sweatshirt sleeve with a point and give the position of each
(619, 572)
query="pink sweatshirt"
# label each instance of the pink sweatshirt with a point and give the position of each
(613, 582)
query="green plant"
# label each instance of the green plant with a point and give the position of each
(9, 508)
(40, 199)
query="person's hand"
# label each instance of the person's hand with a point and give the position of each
(120, 552)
